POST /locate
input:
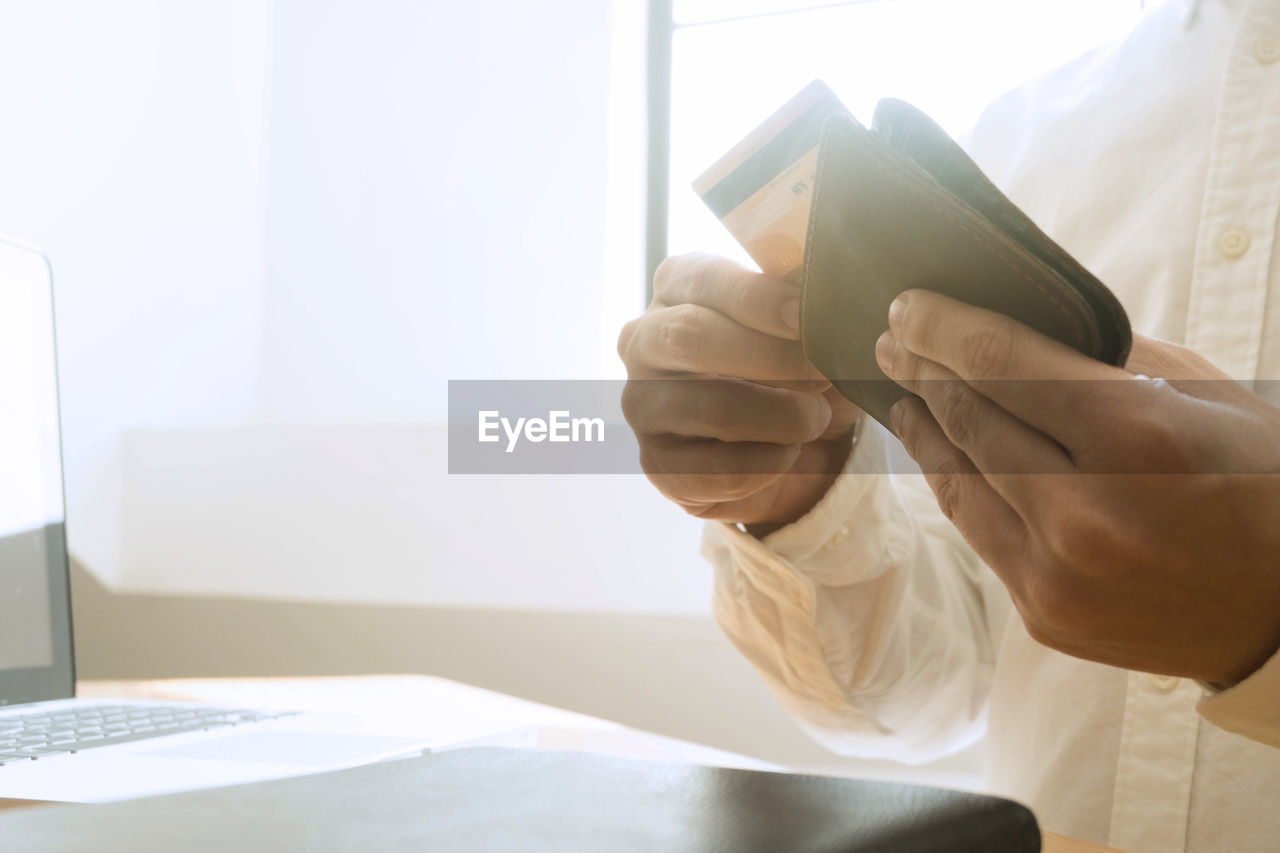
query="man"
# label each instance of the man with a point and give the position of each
(1113, 631)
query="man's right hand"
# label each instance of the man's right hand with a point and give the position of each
(733, 421)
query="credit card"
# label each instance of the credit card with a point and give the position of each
(762, 188)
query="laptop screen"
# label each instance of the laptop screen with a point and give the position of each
(35, 625)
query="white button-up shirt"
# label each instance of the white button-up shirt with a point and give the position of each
(1156, 162)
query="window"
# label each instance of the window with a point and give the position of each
(731, 62)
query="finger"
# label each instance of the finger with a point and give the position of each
(844, 414)
(1038, 380)
(693, 471)
(691, 338)
(749, 298)
(985, 520)
(756, 508)
(787, 498)
(1008, 452)
(726, 409)
(766, 507)
(979, 345)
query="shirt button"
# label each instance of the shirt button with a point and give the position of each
(1266, 50)
(1233, 242)
(1164, 683)
(837, 538)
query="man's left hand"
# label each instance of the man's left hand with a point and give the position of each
(1134, 521)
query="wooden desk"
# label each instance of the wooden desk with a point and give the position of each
(429, 705)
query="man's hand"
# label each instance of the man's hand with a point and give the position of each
(1134, 521)
(733, 421)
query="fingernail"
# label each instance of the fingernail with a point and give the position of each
(791, 314)
(824, 415)
(885, 347)
(897, 308)
(896, 412)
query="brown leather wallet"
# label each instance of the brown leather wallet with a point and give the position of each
(901, 206)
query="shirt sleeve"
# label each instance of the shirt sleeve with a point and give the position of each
(870, 618)
(1250, 708)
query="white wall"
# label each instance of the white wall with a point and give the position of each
(133, 149)
(438, 177)
(366, 514)
(277, 230)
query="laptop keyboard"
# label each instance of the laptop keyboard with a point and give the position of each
(47, 734)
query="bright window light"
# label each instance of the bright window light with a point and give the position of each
(702, 11)
(734, 63)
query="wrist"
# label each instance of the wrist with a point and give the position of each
(819, 468)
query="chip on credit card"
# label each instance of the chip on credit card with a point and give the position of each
(762, 188)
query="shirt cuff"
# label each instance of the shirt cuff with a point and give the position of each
(856, 529)
(1250, 708)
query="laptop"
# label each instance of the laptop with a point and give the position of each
(56, 747)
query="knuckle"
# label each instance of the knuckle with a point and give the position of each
(990, 352)
(956, 408)
(632, 402)
(668, 271)
(947, 491)
(738, 295)
(716, 411)
(902, 364)
(681, 334)
(703, 270)
(1161, 447)
(625, 337)
(729, 283)
(1075, 533)
(910, 427)
(1086, 540)
(1055, 608)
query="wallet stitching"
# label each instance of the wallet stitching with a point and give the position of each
(1013, 263)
